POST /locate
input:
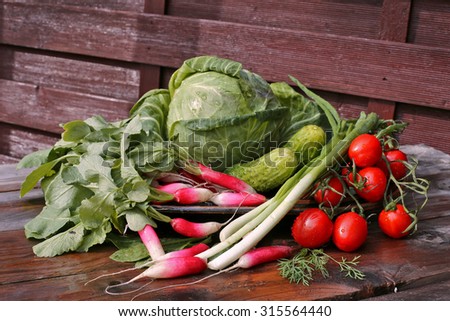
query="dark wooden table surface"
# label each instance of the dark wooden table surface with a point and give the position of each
(415, 268)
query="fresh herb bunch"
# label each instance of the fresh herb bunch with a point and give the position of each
(301, 267)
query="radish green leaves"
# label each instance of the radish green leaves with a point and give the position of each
(92, 182)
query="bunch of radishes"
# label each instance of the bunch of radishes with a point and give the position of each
(188, 261)
(186, 188)
(209, 185)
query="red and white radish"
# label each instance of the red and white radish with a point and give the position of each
(235, 199)
(262, 255)
(198, 180)
(168, 268)
(171, 188)
(192, 195)
(189, 251)
(194, 229)
(173, 267)
(151, 241)
(250, 259)
(224, 180)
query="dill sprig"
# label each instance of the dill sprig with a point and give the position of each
(301, 267)
(349, 267)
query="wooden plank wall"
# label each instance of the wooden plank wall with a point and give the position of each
(64, 59)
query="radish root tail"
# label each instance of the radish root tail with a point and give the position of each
(229, 269)
(109, 287)
(110, 274)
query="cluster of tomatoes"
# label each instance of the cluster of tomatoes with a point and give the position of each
(367, 178)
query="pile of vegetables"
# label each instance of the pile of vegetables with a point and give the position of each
(220, 135)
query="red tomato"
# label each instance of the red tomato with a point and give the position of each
(331, 194)
(381, 164)
(347, 175)
(365, 150)
(394, 222)
(375, 183)
(349, 232)
(395, 158)
(312, 228)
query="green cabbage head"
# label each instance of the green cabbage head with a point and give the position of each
(222, 113)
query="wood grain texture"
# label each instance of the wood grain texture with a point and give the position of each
(123, 5)
(388, 264)
(46, 108)
(395, 20)
(61, 59)
(430, 127)
(19, 141)
(384, 108)
(371, 68)
(68, 72)
(346, 18)
(393, 27)
(414, 268)
(430, 23)
(154, 6)
(433, 290)
(7, 159)
(151, 74)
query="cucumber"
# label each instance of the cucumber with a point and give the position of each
(267, 172)
(307, 142)
(275, 167)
